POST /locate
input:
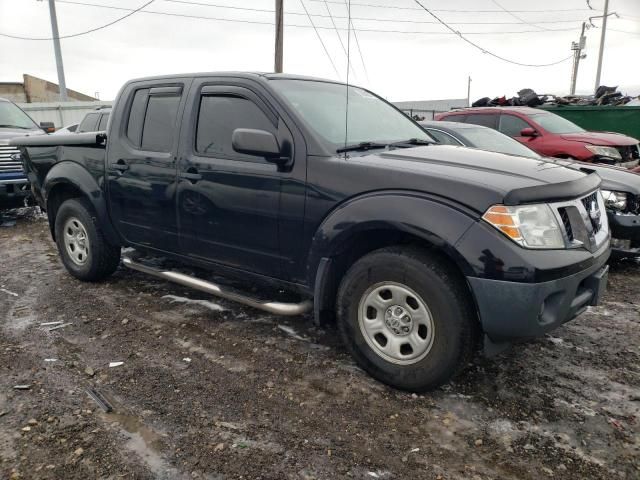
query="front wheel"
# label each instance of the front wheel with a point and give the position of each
(84, 251)
(407, 317)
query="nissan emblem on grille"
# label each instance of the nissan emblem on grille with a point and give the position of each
(594, 214)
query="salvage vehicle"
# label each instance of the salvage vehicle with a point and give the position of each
(418, 249)
(14, 186)
(620, 188)
(551, 135)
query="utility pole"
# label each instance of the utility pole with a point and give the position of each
(602, 35)
(279, 31)
(56, 48)
(577, 48)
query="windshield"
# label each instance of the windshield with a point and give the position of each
(494, 141)
(12, 117)
(322, 106)
(553, 123)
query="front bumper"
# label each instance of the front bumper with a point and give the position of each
(514, 310)
(13, 192)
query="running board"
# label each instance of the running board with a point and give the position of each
(278, 308)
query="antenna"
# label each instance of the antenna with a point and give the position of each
(346, 110)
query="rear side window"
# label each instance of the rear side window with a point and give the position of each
(89, 123)
(103, 122)
(159, 123)
(455, 118)
(443, 138)
(511, 125)
(136, 116)
(484, 119)
(219, 116)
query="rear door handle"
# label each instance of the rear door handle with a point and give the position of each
(121, 166)
(191, 174)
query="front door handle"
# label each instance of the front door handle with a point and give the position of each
(191, 174)
(121, 166)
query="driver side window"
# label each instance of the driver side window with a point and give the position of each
(219, 116)
(511, 125)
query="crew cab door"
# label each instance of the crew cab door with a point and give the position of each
(141, 164)
(229, 203)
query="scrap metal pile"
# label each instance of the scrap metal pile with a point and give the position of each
(527, 97)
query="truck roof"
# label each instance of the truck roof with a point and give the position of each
(236, 74)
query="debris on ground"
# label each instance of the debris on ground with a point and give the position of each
(115, 364)
(22, 387)
(102, 402)
(8, 292)
(57, 327)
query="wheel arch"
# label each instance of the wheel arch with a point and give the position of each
(380, 220)
(68, 180)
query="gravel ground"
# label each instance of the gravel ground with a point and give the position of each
(212, 390)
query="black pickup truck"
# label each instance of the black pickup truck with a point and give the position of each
(419, 250)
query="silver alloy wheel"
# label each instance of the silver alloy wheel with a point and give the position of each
(396, 323)
(76, 241)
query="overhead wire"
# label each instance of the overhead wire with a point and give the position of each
(484, 50)
(132, 12)
(355, 36)
(320, 38)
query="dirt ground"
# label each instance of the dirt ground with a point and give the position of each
(212, 390)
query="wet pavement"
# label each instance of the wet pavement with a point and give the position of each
(212, 390)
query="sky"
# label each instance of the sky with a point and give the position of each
(414, 58)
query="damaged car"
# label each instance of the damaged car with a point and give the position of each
(620, 187)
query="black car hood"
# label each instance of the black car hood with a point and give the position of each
(479, 178)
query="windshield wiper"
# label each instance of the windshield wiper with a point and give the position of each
(411, 141)
(15, 126)
(361, 146)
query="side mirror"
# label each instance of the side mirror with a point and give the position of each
(48, 127)
(528, 132)
(256, 142)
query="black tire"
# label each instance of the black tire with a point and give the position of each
(102, 258)
(446, 297)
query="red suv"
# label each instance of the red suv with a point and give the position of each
(551, 135)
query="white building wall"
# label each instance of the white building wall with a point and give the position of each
(61, 113)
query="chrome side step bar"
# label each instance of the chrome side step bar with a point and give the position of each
(278, 308)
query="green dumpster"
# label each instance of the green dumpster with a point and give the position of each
(604, 118)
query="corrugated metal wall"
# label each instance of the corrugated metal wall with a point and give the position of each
(61, 113)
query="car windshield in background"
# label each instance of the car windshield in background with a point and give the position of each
(322, 105)
(494, 141)
(553, 123)
(12, 117)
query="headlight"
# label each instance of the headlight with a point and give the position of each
(614, 200)
(610, 152)
(530, 226)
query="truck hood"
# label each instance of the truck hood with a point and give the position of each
(8, 133)
(461, 172)
(600, 138)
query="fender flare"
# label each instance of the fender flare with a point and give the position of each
(419, 215)
(76, 176)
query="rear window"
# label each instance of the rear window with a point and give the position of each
(159, 123)
(136, 116)
(442, 137)
(103, 122)
(484, 119)
(89, 123)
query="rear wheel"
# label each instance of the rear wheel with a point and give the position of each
(407, 318)
(84, 251)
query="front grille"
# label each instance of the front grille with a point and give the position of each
(7, 164)
(590, 203)
(566, 222)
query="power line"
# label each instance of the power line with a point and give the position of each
(337, 32)
(512, 14)
(321, 41)
(369, 19)
(292, 25)
(483, 50)
(396, 7)
(364, 67)
(132, 12)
